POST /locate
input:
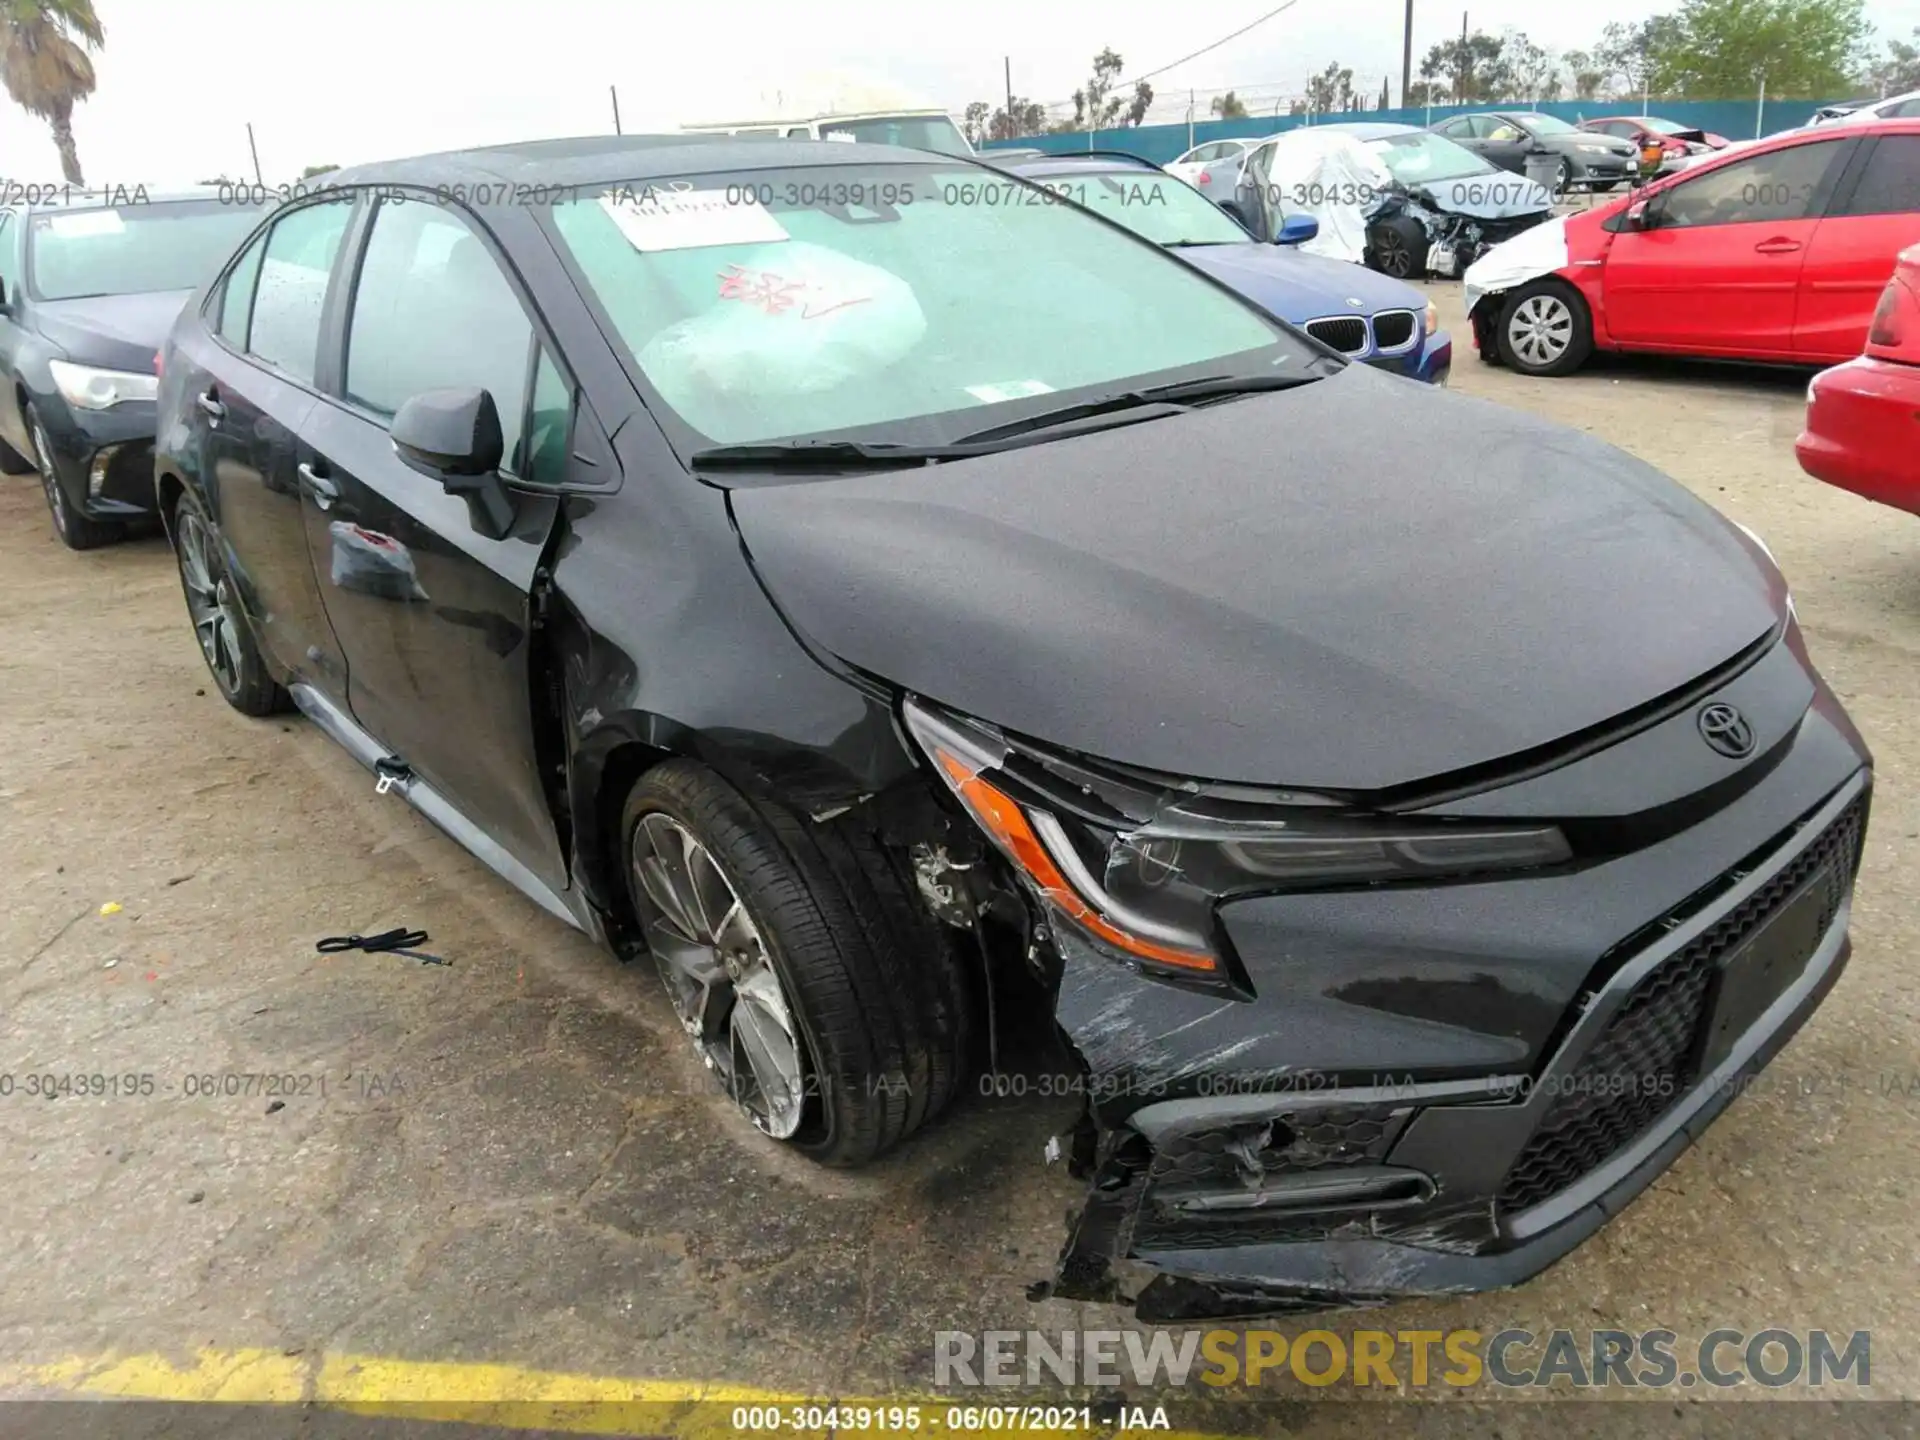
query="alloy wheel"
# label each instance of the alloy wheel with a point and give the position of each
(1541, 329)
(1563, 180)
(719, 975)
(209, 602)
(43, 458)
(1395, 258)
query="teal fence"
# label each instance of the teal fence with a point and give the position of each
(1735, 119)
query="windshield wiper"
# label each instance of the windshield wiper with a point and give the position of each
(1171, 399)
(829, 454)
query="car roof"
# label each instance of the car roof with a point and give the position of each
(1081, 162)
(1372, 129)
(596, 159)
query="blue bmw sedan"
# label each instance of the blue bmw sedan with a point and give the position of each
(1362, 314)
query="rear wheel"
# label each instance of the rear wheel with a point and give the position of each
(226, 644)
(76, 531)
(828, 1004)
(1545, 329)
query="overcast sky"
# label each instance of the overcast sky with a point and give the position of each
(359, 80)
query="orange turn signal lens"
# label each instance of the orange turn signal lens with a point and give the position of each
(1003, 820)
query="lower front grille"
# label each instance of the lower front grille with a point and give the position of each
(1649, 1054)
(1393, 329)
(1345, 333)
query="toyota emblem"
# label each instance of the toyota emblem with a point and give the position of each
(1726, 730)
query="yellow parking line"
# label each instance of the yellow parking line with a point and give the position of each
(508, 1396)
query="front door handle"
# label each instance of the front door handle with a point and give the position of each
(323, 490)
(1776, 247)
(212, 406)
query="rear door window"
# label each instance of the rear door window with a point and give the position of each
(298, 261)
(1890, 184)
(236, 296)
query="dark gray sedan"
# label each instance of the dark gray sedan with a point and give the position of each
(1506, 137)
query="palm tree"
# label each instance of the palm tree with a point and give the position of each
(45, 67)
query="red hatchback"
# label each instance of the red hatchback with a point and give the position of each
(1773, 251)
(1863, 417)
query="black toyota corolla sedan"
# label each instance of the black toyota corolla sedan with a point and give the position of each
(844, 575)
(92, 282)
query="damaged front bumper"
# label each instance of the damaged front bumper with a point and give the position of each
(1447, 1088)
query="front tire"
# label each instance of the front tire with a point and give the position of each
(1398, 247)
(226, 642)
(76, 531)
(828, 1003)
(1545, 328)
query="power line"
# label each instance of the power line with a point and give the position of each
(1136, 79)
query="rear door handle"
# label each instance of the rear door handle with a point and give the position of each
(323, 490)
(212, 406)
(1776, 247)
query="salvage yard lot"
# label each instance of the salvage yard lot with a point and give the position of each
(516, 1158)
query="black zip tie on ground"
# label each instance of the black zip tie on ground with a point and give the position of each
(397, 942)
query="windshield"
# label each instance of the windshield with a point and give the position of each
(1421, 157)
(1665, 127)
(1546, 124)
(908, 304)
(917, 132)
(132, 249)
(1155, 207)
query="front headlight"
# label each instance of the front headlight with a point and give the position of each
(1433, 317)
(86, 388)
(1138, 865)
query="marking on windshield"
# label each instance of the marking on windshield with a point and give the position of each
(775, 294)
(691, 219)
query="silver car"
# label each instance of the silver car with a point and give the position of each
(1214, 168)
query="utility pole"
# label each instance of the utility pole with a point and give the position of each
(1465, 63)
(1406, 57)
(1760, 113)
(614, 93)
(1191, 102)
(256, 155)
(1007, 60)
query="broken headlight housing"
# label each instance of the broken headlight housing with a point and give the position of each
(1138, 863)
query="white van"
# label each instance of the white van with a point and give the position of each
(915, 129)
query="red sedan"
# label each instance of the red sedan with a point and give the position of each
(1863, 417)
(1775, 251)
(1678, 141)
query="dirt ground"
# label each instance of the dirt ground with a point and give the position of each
(513, 1159)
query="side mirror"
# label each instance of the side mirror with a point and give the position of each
(1297, 230)
(453, 436)
(1638, 216)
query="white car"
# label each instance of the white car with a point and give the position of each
(1894, 107)
(1213, 168)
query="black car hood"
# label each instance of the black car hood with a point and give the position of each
(1352, 585)
(115, 332)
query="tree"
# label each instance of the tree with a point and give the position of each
(44, 61)
(1634, 56)
(1331, 91)
(1138, 106)
(1533, 73)
(1899, 70)
(1475, 69)
(1094, 106)
(1585, 73)
(1804, 49)
(1386, 94)
(313, 170)
(974, 123)
(1228, 107)
(1425, 92)
(1029, 118)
